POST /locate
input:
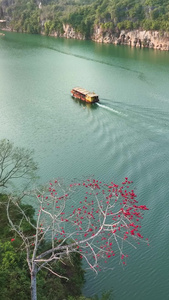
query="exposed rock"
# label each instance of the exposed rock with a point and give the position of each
(55, 34)
(70, 33)
(134, 38)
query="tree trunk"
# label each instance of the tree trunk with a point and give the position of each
(33, 286)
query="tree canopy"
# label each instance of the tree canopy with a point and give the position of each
(87, 220)
(14, 271)
(83, 15)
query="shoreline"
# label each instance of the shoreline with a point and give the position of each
(136, 38)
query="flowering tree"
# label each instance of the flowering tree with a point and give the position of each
(97, 225)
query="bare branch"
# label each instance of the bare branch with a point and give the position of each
(15, 163)
(92, 219)
(56, 274)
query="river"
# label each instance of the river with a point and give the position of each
(126, 134)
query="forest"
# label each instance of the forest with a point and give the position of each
(48, 16)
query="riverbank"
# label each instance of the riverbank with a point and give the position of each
(135, 38)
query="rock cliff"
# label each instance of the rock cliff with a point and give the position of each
(134, 38)
(70, 33)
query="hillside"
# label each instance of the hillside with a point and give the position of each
(84, 16)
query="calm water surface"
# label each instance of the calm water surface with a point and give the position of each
(127, 134)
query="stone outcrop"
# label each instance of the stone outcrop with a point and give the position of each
(134, 38)
(2, 23)
(70, 33)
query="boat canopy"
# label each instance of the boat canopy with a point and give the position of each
(85, 92)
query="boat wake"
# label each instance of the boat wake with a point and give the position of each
(141, 76)
(111, 109)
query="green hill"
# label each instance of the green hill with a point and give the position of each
(112, 15)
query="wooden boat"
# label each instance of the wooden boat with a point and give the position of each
(84, 95)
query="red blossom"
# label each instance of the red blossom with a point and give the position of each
(139, 235)
(113, 204)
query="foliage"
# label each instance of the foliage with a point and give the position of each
(125, 25)
(105, 296)
(6, 233)
(53, 26)
(14, 272)
(93, 224)
(83, 15)
(55, 288)
(25, 16)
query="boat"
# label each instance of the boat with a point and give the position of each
(84, 95)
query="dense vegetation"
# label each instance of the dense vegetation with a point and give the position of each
(14, 273)
(113, 15)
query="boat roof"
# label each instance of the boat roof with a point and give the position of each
(85, 92)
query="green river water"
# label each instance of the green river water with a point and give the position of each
(126, 134)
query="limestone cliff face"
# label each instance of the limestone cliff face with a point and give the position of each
(134, 38)
(70, 33)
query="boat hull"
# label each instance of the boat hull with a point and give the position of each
(84, 95)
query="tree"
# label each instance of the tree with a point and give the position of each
(96, 221)
(14, 271)
(15, 163)
(14, 276)
(82, 15)
(105, 296)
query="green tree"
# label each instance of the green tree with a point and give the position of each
(14, 271)
(14, 275)
(82, 15)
